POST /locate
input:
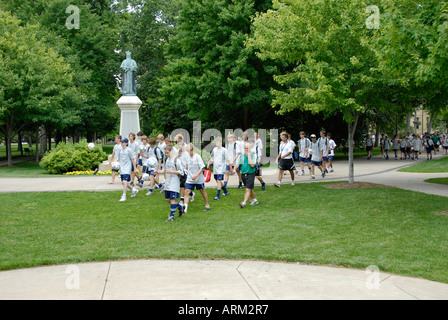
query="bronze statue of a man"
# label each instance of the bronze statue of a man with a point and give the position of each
(129, 87)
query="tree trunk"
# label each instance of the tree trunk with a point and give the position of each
(8, 144)
(431, 122)
(43, 140)
(37, 144)
(19, 145)
(48, 131)
(377, 135)
(8, 132)
(351, 141)
(408, 123)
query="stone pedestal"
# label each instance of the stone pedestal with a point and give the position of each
(105, 166)
(130, 121)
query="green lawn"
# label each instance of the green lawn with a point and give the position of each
(26, 169)
(305, 223)
(431, 166)
(438, 180)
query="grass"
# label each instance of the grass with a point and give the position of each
(432, 166)
(25, 169)
(438, 180)
(306, 223)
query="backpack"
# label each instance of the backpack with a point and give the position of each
(162, 156)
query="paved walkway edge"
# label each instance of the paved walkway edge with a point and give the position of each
(211, 280)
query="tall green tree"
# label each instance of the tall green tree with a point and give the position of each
(90, 50)
(210, 74)
(35, 82)
(334, 69)
(411, 48)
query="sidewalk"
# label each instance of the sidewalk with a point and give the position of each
(375, 170)
(211, 280)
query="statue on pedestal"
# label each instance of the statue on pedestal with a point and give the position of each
(129, 66)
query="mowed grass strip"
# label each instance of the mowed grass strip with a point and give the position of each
(396, 230)
(438, 181)
(429, 166)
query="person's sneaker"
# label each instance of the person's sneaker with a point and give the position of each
(293, 183)
(140, 183)
(313, 177)
(170, 219)
(123, 198)
(132, 184)
(216, 198)
(134, 193)
(254, 202)
(226, 193)
(149, 193)
(192, 197)
(162, 188)
(185, 208)
(156, 186)
(323, 174)
(331, 170)
(277, 185)
(240, 185)
(263, 186)
(242, 204)
(181, 211)
(301, 173)
(207, 208)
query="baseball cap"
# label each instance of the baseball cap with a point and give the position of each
(313, 136)
(125, 140)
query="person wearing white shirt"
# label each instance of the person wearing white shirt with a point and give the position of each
(258, 150)
(304, 156)
(285, 159)
(316, 156)
(332, 150)
(116, 151)
(233, 151)
(195, 177)
(324, 144)
(173, 171)
(219, 160)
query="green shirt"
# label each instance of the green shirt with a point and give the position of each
(243, 161)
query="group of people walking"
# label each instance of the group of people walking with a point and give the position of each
(178, 170)
(410, 146)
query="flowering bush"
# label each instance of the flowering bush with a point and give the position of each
(72, 157)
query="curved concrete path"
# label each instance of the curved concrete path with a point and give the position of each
(211, 280)
(217, 279)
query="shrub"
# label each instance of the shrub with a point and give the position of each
(72, 157)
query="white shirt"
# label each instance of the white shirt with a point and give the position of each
(316, 152)
(284, 149)
(324, 143)
(304, 145)
(195, 163)
(233, 149)
(259, 144)
(293, 144)
(219, 158)
(125, 157)
(172, 181)
(332, 147)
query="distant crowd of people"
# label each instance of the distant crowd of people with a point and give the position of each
(410, 146)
